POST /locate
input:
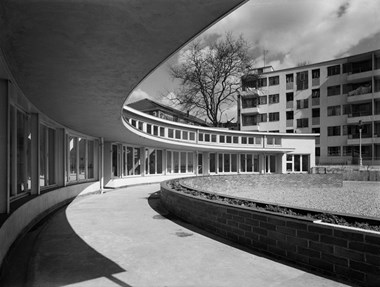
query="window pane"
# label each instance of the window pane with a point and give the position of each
(256, 163)
(183, 162)
(82, 158)
(129, 160)
(249, 162)
(73, 158)
(242, 163)
(297, 163)
(305, 162)
(136, 158)
(233, 163)
(90, 159)
(152, 161)
(51, 157)
(24, 138)
(220, 157)
(169, 161)
(13, 152)
(176, 161)
(190, 162)
(212, 162)
(227, 163)
(159, 161)
(43, 155)
(200, 163)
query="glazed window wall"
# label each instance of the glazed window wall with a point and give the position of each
(249, 163)
(227, 162)
(81, 159)
(47, 156)
(179, 162)
(131, 162)
(297, 163)
(20, 153)
(153, 161)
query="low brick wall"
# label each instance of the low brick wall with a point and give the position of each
(349, 172)
(349, 254)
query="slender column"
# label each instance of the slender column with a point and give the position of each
(101, 165)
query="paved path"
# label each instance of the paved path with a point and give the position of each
(121, 238)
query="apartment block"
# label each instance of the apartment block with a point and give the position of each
(337, 99)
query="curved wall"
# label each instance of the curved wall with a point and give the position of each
(28, 214)
(348, 254)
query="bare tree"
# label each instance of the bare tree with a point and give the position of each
(210, 77)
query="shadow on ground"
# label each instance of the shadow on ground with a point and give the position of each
(51, 254)
(155, 203)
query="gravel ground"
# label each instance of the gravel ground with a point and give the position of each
(358, 198)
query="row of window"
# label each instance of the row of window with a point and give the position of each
(352, 68)
(350, 89)
(353, 151)
(302, 78)
(252, 120)
(350, 130)
(38, 148)
(177, 162)
(210, 137)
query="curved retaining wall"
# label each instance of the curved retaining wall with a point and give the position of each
(345, 253)
(35, 209)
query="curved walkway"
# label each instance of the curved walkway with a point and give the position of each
(125, 238)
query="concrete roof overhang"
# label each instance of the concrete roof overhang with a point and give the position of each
(78, 60)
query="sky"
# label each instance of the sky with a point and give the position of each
(290, 31)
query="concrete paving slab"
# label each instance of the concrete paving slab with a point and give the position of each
(125, 238)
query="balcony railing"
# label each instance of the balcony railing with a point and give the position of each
(315, 101)
(315, 121)
(290, 85)
(315, 82)
(360, 91)
(289, 104)
(359, 114)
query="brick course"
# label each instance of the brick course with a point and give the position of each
(347, 254)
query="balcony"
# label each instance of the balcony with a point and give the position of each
(315, 121)
(289, 123)
(355, 141)
(359, 74)
(315, 101)
(290, 86)
(355, 117)
(315, 82)
(362, 93)
(290, 104)
(251, 110)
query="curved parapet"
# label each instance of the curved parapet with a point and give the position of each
(164, 132)
(341, 252)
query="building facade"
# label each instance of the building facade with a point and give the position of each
(165, 112)
(64, 128)
(329, 98)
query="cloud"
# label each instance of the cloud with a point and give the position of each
(138, 95)
(294, 31)
(342, 9)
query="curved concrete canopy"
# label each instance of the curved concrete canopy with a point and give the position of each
(78, 60)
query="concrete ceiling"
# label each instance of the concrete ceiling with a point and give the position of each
(78, 60)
